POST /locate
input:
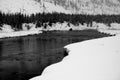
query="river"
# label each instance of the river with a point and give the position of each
(22, 58)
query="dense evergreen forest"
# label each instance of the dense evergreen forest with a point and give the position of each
(16, 20)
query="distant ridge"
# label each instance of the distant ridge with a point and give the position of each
(29, 7)
(92, 7)
(89, 6)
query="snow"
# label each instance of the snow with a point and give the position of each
(110, 31)
(6, 28)
(29, 7)
(58, 26)
(7, 31)
(113, 29)
(50, 8)
(28, 26)
(20, 6)
(115, 26)
(101, 26)
(92, 7)
(66, 26)
(69, 7)
(19, 33)
(97, 59)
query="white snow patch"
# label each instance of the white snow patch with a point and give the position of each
(97, 59)
(19, 33)
(100, 26)
(110, 31)
(7, 31)
(6, 28)
(115, 26)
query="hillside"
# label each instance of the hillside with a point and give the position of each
(91, 7)
(28, 7)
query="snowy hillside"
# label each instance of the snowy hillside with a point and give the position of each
(97, 59)
(50, 8)
(89, 6)
(20, 6)
(63, 6)
(28, 7)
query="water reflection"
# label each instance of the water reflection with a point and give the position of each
(25, 57)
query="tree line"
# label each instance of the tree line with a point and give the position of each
(16, 20)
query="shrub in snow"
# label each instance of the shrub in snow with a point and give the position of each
(99, 25)
(57, 26)
(24, 27)
(94, 25)
(66, 26)
(76, 27)
(32, 26)
(84, 26)
(6, 28)
(28, 26)
(115, 26)
(69, 26)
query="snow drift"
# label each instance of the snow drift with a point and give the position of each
(97, 59)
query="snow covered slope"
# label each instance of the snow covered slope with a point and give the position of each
(97, 59)
(63, 6)
(50, 8)
(89, 6)
(29, 7)
(20, 6)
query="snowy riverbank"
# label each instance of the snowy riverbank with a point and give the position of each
(31, 28)
(97, 59)
(7, 31)
(18, 33)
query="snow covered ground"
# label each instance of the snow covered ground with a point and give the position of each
(31, 28)
(19, 33)
(97, 59)
(7, 31)
(110, 31)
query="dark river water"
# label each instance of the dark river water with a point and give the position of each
(22, 58)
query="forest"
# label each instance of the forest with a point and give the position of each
(16, 20)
